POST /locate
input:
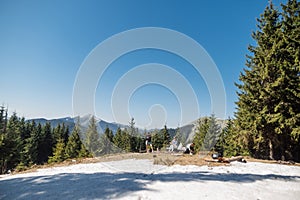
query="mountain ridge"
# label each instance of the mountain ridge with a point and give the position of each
(187, 130)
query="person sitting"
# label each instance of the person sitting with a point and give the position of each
(190, 149)
(173, 144)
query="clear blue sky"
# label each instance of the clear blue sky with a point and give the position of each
(43, 44)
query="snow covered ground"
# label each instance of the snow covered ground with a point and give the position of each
(140, 179)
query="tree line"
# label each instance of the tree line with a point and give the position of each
(26, 143)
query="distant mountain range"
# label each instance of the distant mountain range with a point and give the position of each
(187, 131)
(84, 123)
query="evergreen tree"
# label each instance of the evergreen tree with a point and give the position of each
(58, 152)
(57, 133)
(37, 145)
(134, 136)
(46, 143)
(230, 143)
(132, 130)
(84, 153)
(61, 132)
(92, 141)
(126, 140)
(3, 122)
(74, 144)
(25, 134)
(212, 134)
(269, 102)
(157, 140)
(66, 133)
(200, 133)
(26, 137)
(29, 152)
(118, 139)
(12, 144)
(3, 119)
(166, 136)
(180, 136)
(107, 142)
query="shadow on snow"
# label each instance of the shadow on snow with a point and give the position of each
(110, 185)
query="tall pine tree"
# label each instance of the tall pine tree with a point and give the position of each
(92, 141)
(74, 144)
(268, 106)
(200, 133)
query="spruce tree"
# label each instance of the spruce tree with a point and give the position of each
(134, 136)
(57, 133)
(126, 140)
(25, 134)
(66, 134)
(12, 144)
(46, 143)
(118, 139)
(107, 142)
(37, 145)
(157, 140)
(92, 141)
(166, 136)
(212, 134)
(181, 137)
(58, 152)
(268, 106)
(30, 148)
(74, 144)
(84, 153)
(230, 143)
(200, 133)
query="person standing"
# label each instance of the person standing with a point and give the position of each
(148, 143)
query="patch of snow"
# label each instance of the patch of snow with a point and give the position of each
(140, 179)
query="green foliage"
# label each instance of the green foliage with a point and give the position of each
(24, 143)
(59, 152)
(106, 139)
(74, 144)
(200, 133)
(122, 140)
(11, 144)
(166, 136)
(231, 142)
(92, 141)
(61, 132)
(46, 143)
(33, 143)
(268, 113)
(207, 133)
(126, 141)
(84, 153)
(134, 136)
(212, 134)
(157, 140)
(118, 139)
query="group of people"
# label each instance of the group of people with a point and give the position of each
(189, 149)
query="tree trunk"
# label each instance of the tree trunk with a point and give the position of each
(271, 151)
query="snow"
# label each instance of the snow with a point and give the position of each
(140, 179)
